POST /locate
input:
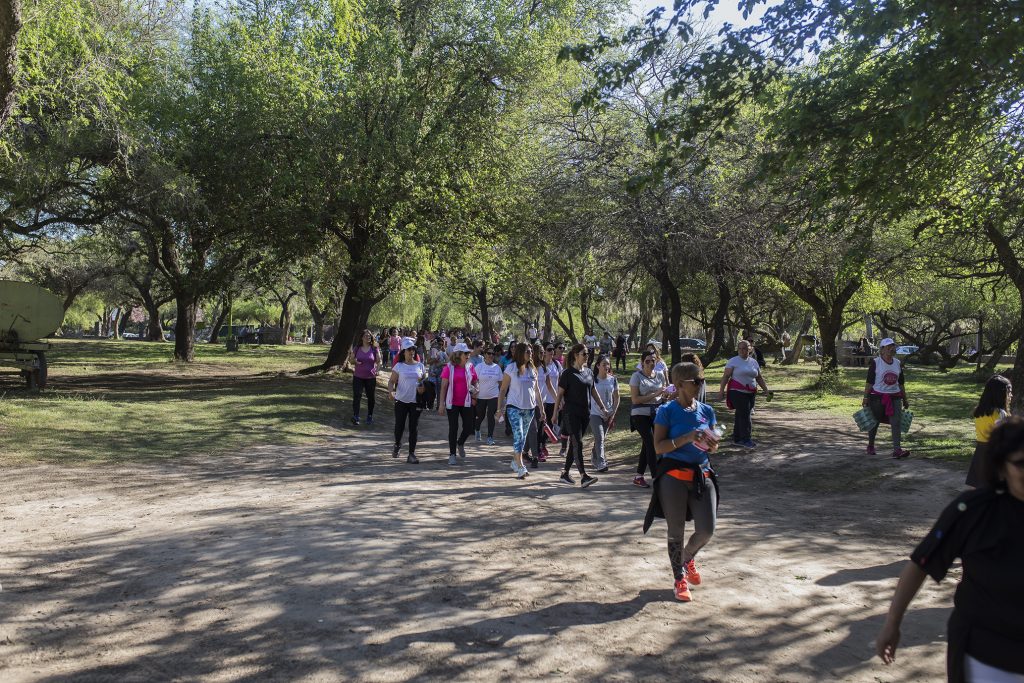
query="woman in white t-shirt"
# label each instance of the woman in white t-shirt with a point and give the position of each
(549, 369)
(607, 386)
(660, 367)
(520, 396)
(407, 378)
(646, 392)
(489, 374)
(742, 376)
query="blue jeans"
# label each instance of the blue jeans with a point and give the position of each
(519, 419)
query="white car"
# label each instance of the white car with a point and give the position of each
(906, 350)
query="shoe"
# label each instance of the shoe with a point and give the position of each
(603, 470)
(534, 463)
(871, 450)
(566, 479)
(394, 451)
(522, 473)
(749, 443)
(355, 420)
(490, 441)
(369, 420)
(543, 455)
(587, 480)
(513, 466)
(478, 439)
(452, 460)
(683, 591)
(412, 459)
(691, 574)
(462, 451)
(639, 480)
(900, 453)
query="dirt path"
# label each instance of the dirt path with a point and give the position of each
(336, 562)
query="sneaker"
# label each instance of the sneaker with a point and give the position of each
(683, 591)
(369, 420)
(355, 420)
(394, 451)
(522, 473)
(871, 450)
(603, 470)
(490, 441)
(749, 443)
(587, 480)
(691, 574)
(566, 479)
(900, 453)
(412, 459)
(639, 480)
(462, 451)
(543, 455)
(478, 439)
(513, 466)
(452, 460)
(534, 463)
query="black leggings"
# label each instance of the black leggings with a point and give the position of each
(676, 499)
(426, 400)
(575, 425)
(743, 402)
(454, 413)
(644, 425)
(485, 408)
(359, 385)
(412, 412)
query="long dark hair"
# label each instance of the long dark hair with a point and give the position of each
(358, 341)
(519, 357)
(993, 396)
(1006, 439)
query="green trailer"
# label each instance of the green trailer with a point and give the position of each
(28, 315)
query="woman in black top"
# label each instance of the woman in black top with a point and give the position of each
(575, 391)
(985, 529)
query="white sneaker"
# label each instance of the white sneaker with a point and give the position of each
(490, 441)
(452, 460)
(522, 473)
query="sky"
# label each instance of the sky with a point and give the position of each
(725, 11)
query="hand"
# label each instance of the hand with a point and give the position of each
(440, 409)
(906, 404)
(885, 644)
(864, 402)
(721, 395)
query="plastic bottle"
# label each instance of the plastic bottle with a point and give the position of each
(712, 435)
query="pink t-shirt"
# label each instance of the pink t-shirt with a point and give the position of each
(395, 343)
(459, 387)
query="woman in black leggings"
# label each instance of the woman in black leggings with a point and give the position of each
(458, 391)
(575, 392)
(407, 378)
(646, 390)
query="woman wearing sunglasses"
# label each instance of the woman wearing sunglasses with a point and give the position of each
(646, 391)
(685, 485)
(983, 527)
(575, 392)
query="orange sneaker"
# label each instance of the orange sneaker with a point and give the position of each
(683, 591)
(691, 573)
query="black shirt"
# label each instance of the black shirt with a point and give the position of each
(985, 529)
(577, 385)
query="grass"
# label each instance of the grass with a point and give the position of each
(128, 401)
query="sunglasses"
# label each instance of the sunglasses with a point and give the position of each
(699, 380)
(649, 361)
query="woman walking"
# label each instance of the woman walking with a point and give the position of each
(607, 387)
(984, 528)
(458, 386)
(490, 375)
(993, 406)
(685, 485)
(365, 358)
(549, 370)
(620, 351)
(575, 393)
(660, 366)
(646, 390)
(742, 376)
(885, 395)
(407, 379)
(519, 396)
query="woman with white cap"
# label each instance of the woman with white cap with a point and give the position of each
(458, 389)
(407, 380)
(885, 395)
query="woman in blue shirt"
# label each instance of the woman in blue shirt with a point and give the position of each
(683, 437)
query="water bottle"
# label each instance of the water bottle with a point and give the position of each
(712, 435)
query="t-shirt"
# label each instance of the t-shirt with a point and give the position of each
(490, 380)
(576, 385)
(409, 376)
(476, 360)
(645, 385)
(606, 345)
(985, 529)
(679, 421)
(744, 371)
(365, 362)
(606, 389)
(459, 386)
(395, 343)
(522, 392)
(549, 372)
(590, 341)
(885, 378)
(984, 425)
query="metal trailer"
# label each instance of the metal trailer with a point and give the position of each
(28, 315)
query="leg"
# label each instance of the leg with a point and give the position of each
(704, 517)
(549, 412)
(597, 458)
(875, 406)
(674, 496)
(492, 407)
(480, 414)
(401, 413)
(453, 429)
(357, 395)
(467, 415)
(741, 402)
(371, 395)
(532, 435)
(574, 451)
(896, 423)
(414, 422)
(648, 458)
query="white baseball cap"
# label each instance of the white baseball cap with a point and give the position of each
(888, 341)
(408, 343)
(461, 347)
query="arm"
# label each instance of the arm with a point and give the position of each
(870, 382)
(597, 397)
(441, 395)
(540, 402)
(392, 384)
(726, 376)
(663, 444)
(761, 383)
(910, 582)
(558, 404)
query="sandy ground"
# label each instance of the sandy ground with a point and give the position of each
(335, 562)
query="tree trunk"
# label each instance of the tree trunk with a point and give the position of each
(485, 315)
(585, 311)
(185, 328)
(355, 311)
(548, 319)
(718, 322)
(671, 312)
(218, 323)
(798, 342)
(10, 24)
(828, 315)
(154, 330)
(315, 311)
(118, 318)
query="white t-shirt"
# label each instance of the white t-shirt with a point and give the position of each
(590, 341)
(409, 375)
(532, 332)
(744, 371)
(521, 388)
(550, 372)
(490, 380)
(606, 389)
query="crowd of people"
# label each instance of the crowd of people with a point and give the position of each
(545, 395)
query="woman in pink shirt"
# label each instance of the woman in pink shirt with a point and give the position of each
(458, 389)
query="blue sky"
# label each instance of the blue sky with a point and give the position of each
(726, 11)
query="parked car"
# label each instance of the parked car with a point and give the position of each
(904, 351)
(692, 343)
